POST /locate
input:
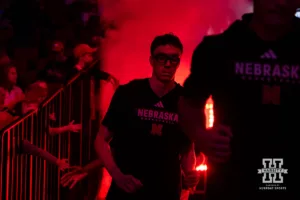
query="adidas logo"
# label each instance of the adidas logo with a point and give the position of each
(269, 55)
(159, 105)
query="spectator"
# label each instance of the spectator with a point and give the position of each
(54, 70)
(83, 54)
(5, 117)
(35, 94)
(8, 81)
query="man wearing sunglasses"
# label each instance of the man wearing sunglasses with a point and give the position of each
(149, 149)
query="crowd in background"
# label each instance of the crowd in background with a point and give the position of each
(42, 45)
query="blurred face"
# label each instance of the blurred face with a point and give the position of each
(12, 75)
(87, 58)
(276, 12)
(165, 62)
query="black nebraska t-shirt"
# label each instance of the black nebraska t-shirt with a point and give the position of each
(146, 140)
(256, 89)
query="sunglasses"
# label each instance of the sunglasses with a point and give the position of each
(162, 58)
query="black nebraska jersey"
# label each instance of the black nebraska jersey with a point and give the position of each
(147, 140)
(256, 90)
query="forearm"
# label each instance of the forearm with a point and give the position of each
(94, 165)
(103, 150)
(36, 151)
(188, 160)
(58, 130)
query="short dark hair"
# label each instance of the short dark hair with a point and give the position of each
(165, 39)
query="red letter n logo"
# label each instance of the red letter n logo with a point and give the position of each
(271, 95)
(156, 129)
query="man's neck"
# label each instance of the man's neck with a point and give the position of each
(161, 88)
(269, 32)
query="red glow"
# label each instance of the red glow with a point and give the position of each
(210, 118)
(126, 47)
(202, 167)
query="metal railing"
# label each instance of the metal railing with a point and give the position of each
(27, 177)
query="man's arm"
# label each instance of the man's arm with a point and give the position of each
(190, 175)
(204, 81)
(103, 150)
(58, 130)
(188, 160)
(111, 122)
(92, 166)
(31, 149)
(197, 89)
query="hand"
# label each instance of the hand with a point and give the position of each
(127, 183)
(76, 128)
(62, 164)
(215, 143)
(114, 81)
(52, 116)
(191, 179)
(71, 178)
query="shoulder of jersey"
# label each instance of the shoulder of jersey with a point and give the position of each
(215, 42)
(214, 38)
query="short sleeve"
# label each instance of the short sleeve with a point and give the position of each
(113, 117)
(198, 85)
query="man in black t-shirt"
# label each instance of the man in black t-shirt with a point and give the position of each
(252, 72)
(147, 143)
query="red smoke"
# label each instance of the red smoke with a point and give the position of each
(125, 50)
(131, 25)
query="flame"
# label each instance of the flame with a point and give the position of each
(210, 118)
(209, 112)
(202, 167)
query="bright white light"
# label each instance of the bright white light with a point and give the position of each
(298, 13)
(201, 167)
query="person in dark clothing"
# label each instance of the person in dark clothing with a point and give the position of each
(146, 139)
(84, 56)
(56, 68)
(252, 72)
